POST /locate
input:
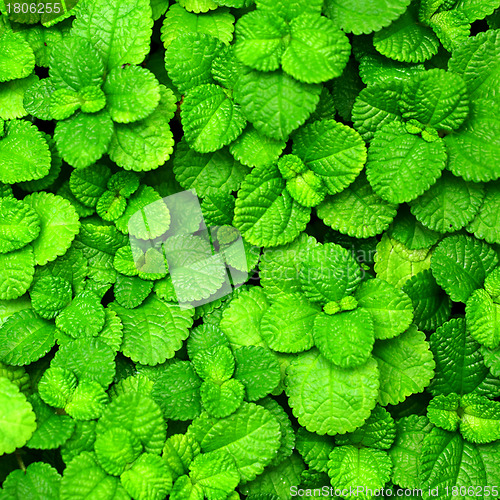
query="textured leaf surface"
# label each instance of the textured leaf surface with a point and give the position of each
(266, 214)
(406, 366)
(50, 295)
(275, 103)
(483, 319)
(38, 480)
(16, 273)
(460, 264)
(485, 224)
(153, 331)
(395, 159)
(251, 436)
(328, 399)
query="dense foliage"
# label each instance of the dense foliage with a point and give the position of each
(326, 315)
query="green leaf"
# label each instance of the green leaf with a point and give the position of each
(317, 390)
(216, 364)
(460, 366)
(395, 159)
(216, 472)
(357, 211)
(260, 40)
(435, 98)
(379, 431)
(396, 263)
(447, 460)
(131, 292)
(375, 106)
(251, 436)
(89, 184)
(460, 264)
(17, 419)
(24, 153)
(407, 40)
(276, 481)
(346, 339)
(50, 295)
(179, 451)
(266, 214)
(241, 320)
(205, 337)
(431, 305)
(314, 449)
(363, 16)
(189, 58)
(83, 138)
(222, 399)
(140, 415)
(218, 209)
(210, 118)
(390, 309)
(219, 23)
(483, 319)
(352, 467)
(25, 338)
(258, 370)
(275, 103)
(12, 97)
(52, 429)
(318, 51)
(207, 173)
(84, 476)
(36, 99)
(20, 224)
(476, 61)
(487, 220)
(406, 366)
(254, 149)
(148, 143)
(329, 273)
(290, 9)
(115, 449)
(442, 411)
(37, 480)
(154, 331)
(198, 6)
(87, 402)
(479, 422)
(474, 149)
(17, 59)
(132, 93)
(288, 324)
(335, 152)
(405, 453)
(149, 478)
(120, 32)
(449, 205)
(451, 27)
(16, 273)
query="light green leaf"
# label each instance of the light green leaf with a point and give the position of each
(132, 93)
(288, 324)
(210, 118)
(406, 366)
(12, 97)
(314, 449)
(148, 143)
(219, 23)
(17, 419)
(395, 159)
(19, 224)
(317, 390)
(37, 480)
(390, 308)
(251, 436)
(290, 9)
(407, 40)
(83, 138)
(36, 99)
(198, 6)
(120, 32)
(357, 211)
(329, 273)
(207, 173)
(16, 273)
(222, 399)
(352, 467)
(154, 331)
(16, 57)
(266, 214)
(179, 451)
(451, 27)
(274, 102)
(335, 152)
(363, 16)
(483, 319)
(189, 58)
(24, 338)
(485, 224)
(24, 153)
(435, 98)
(460, 264)
(131, 292)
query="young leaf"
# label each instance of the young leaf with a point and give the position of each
(16, 57)
(16, 273)
(482, 315)
(487, 220)
(37, 480)
(317, 392)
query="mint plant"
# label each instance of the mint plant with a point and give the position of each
(249, 249)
